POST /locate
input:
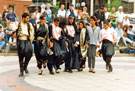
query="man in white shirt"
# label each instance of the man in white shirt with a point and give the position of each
(71, 12)
(131, 33)
(120, 14)
(61, 12)
(107, 14)
(109, 38)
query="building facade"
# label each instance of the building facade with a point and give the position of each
(19, 5)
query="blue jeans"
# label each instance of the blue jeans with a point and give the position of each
(131, 37)
(7, 38)
(114, 26)
(2, 43)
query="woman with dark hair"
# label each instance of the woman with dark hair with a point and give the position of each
(41, 43)
(94, 34)
(83, 45)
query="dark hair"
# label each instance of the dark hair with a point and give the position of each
(95, 19)
(81, 22)
(106, 22)
(130, 26)
(87, 24)
(62, 22)
(101, 8)
(0, 27)
(42, 17)
(24, 15)
(56, 19)
(125, 26)
(70, 4)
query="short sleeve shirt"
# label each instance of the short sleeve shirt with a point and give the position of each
(11, 17)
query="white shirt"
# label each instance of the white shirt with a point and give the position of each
(12, 40)
(109, 34)
(37, 17)
(2, 34)
(126, 22)
(68, 12)
(131, 32)
(120, 16)
(107, 14)
(56, 31)
(61, 13)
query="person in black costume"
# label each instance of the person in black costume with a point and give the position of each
(41, 43)
(25, 36)
(55, 34)
(71, 29)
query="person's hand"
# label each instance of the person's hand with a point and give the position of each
(50, 45)
(9, 33)
(75, 45)
(8, 21)
(114, 42)
(66, 43)
(87, 46)
(98, 46)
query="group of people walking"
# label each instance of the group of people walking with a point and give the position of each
(63, 42)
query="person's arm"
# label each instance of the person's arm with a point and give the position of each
(114, 36)
(130, 32)
(2, 37)
(32, 33)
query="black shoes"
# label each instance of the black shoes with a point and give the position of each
(107, 66)
(51, 72)
(26, 71)
(70, 71)
(21, 74)
(110, 68)
(40, 73)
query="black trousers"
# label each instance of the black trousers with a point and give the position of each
(107, 51)
(24, 53)
(82, 62)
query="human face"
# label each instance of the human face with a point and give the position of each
(26, 20)
(113, 10)
(119, 26)
(85, 9)
(70, 7)
(105, 9)
(62, 7)
(56, 23)
(10, 11)
(43, 21)
(120, 9)
(71, 21)
(92, 22)
(0, 30)
(81, 25)
(106, 26)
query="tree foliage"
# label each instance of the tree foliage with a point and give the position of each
(113, 3)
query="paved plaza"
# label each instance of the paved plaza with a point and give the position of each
(121, 79)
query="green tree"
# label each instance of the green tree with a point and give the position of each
(56, 7)
(113, 3)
